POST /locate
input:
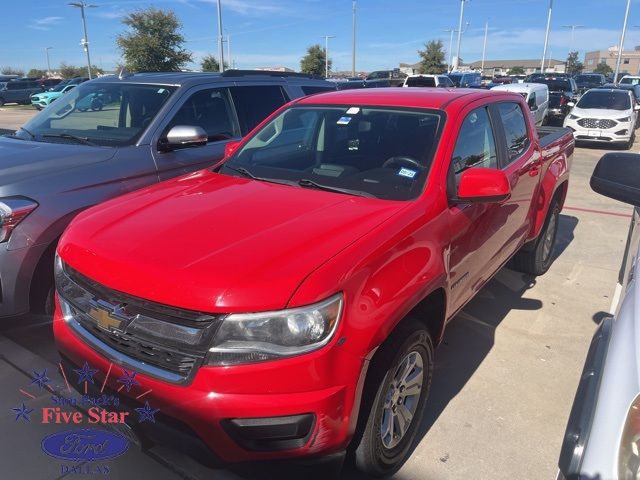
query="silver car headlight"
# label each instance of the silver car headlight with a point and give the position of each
(255, 337)
(12, 211)
(574, 117)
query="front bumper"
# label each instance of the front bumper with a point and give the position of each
(299, 407)
(619, 133)
(39, 102)
(16, 274)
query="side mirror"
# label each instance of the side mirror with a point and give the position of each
(617, 176)
(571, 104)
(483, 185)
(231, 147)
(184, 136)
(636, 107)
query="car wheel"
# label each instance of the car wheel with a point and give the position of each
(629, 144)
(537, 258)
(38, 107)
(397, 388)
(1, 101)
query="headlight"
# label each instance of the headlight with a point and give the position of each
(574, 117)
(623, 120)
(629, 453)
(12, 211)
(255, 337)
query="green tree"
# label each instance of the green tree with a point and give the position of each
(211, 64)
(517, 71)
(603, 68)
(71, 71)
(153, 42)
(573, 64)
(36, 72)
(314, 61)
(432, 58)
(12, 71)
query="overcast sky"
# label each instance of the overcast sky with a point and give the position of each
(277, 32)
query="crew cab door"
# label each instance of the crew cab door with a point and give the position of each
(485, 235)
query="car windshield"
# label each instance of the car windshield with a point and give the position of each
(383, 152)
(455, 78)
(58, 88)
(421, 82)
(630, 81)
(589, 79)
(605, 99)
(104, 114)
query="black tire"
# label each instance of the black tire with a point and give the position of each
(629, 144)
(376, 454)
(1, 101)
(537, 258)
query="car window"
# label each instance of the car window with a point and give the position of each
(311, 90)
(254, 104)
(515, 129)
(605, 99)
(420, 82)
(476, 146)
(630, 81)
(532, 100)
(210, 110)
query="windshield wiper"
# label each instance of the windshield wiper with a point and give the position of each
(246, 173)
(68, 136)
(305, 182)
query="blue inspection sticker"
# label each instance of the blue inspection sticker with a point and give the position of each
(344, 121)
(405, 172)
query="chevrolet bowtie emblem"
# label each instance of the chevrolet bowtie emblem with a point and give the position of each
(104, 319)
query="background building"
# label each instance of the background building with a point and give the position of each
(496, 68)
(630, 60)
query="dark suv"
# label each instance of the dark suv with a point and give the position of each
(18, 91)
(149, 127)
(563, 94)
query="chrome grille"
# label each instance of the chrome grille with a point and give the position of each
(603, 123)
(152, 338)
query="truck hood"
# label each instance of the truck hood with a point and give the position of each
(25, 160)
(601, 113)
(216, 243)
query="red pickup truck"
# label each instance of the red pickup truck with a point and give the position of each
(286, 303)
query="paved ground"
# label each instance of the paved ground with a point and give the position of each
(12, 116)
(505, 377)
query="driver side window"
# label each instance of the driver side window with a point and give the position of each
(209, 109)
(476, 146)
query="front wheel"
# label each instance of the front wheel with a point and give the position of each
(536, 260)
(398, 385)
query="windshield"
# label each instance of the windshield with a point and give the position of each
(589, 79)
(380, 152)
(455, 78)
(105, 114)
(420, 82)
(630, 81)
(58, 88)
(605, 99)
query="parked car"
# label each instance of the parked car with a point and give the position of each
(465, 79)
(307, 278)
(563, 91)
(441, 81)
(630, 80)
(601, 439)
(41, 100)
(635, 89)
(385, 78)
(518, 78)
(47, 83)
(585, 81)
(18, 91)
(65, 159)
(535, 94)
(502, 80)
(604, 115)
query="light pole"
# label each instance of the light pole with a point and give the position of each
(220, 40)
(48, 62)
(353, 41)
(228, 48)
(546, 37)
(460, 30)
(573, 29)
(450, 52)
(621, 46)
(484, 45)
(326, 54)
(85, 41)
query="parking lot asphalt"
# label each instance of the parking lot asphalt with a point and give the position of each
(505, 374)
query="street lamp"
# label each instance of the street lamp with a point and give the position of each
(546, 37)
(450, 31)
(220, 40)
(353, 40)
(326, 54)
(229, 48)
(621, 46)
(460, 30)
(85, 41)
(484, 45)
(48, 62)
(573, 29)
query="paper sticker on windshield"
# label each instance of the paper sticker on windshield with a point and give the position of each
(344, 121)
(353, 111)
(405, 172)
(161, 90)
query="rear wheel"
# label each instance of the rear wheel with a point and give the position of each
(537, 259)
(395, 394)
(1, 101)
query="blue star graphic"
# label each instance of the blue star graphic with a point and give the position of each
(128, 379)
(23, 413)
(86, 373)
(40, 379)
(147, 413)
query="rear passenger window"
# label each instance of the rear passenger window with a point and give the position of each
(312, 90)
(476, 146)
(254, 104)
(515, 129)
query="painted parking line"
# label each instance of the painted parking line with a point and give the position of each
(603, 212)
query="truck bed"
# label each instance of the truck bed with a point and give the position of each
(549, 135)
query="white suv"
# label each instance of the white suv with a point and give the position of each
(604, 115)
(441, 81)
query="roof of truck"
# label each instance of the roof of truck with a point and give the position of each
(398, 97)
